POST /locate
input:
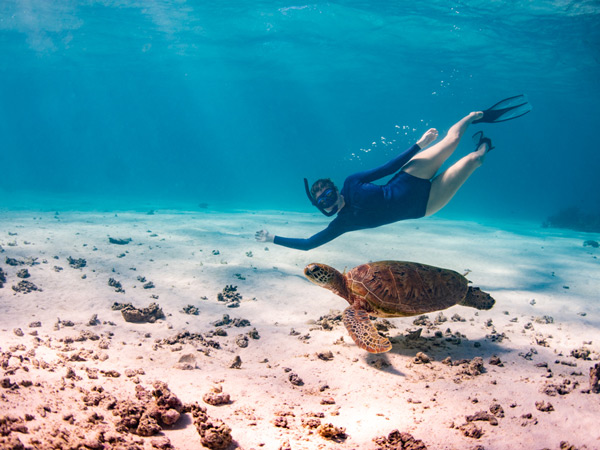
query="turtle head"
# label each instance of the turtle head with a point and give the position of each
(320, 274)
(327, 277)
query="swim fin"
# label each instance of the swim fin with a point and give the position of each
(507, 109)
(479, 139)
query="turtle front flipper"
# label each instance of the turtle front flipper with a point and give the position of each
(363, 332)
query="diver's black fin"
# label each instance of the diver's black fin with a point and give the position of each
(507, 109)
(479, 139)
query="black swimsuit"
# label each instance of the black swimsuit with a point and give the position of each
(369, 205)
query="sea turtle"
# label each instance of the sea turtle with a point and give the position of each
(393, 289)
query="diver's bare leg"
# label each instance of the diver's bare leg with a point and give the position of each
(425, 164)
(446, 184)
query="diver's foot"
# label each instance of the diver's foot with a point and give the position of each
(483, 148)
(484, 144)
(479, 154)
(475, 115)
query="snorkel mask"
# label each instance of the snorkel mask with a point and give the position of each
(326, 200)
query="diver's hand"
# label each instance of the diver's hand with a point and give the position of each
(264, 236)
(429, 136)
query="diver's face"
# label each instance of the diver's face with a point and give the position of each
(328, 198)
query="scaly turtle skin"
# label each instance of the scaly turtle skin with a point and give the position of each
(393, 289)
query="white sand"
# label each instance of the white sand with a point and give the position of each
(374, 394)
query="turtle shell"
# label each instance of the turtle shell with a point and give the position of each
(400, 288)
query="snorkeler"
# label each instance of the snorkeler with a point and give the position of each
(415, 191)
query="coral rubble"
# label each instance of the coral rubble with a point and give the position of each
(139, 315)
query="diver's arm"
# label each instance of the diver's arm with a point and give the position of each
(322, 237)
(388, 168)
(396, 164)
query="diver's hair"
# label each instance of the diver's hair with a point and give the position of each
(323, 183)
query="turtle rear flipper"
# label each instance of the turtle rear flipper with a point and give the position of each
(478, 299)
(363, 332)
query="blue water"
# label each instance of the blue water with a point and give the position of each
(116, 103)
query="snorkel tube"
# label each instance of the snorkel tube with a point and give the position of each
(315, 203)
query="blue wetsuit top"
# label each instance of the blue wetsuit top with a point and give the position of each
(368, 205)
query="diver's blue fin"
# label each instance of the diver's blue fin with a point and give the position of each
(507, 109)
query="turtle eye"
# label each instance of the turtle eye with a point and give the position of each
(314, 272)
(311, 271)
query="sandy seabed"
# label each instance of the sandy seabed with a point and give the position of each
(246, 344)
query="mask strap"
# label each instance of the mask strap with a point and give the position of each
(308, 194)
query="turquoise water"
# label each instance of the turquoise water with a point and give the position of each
(114, 103)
